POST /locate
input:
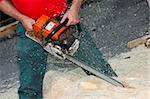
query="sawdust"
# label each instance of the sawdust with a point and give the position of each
(133, 72)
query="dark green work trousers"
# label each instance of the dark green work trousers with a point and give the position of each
(32, 66)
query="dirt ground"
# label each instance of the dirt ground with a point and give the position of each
(112, 23)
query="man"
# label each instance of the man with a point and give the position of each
(32, 57)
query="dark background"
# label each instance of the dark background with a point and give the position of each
(4, 19)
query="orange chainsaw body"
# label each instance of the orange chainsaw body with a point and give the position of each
(44, 26)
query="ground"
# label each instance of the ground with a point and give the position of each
(113, 23)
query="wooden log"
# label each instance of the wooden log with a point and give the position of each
(147, 43)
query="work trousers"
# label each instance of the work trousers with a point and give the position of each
(32, 65)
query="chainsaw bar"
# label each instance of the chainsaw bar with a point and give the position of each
(88, 68)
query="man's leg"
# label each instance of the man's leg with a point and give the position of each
(32, 65)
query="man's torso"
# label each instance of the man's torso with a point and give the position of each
(35, 8)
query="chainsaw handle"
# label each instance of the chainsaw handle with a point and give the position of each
(65, 22)
(56, 29)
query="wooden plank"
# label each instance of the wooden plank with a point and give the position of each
(8, 30)
(139, 41)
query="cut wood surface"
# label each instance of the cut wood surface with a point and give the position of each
(138, 41)
(8, 30)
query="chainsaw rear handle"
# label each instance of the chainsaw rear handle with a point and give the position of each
(56, 29)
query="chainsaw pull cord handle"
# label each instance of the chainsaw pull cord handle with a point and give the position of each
(56, 29)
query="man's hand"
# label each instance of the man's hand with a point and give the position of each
(73, 17)
(27, 22)
(72, 13)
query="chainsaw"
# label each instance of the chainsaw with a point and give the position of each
(55, 37)
(63, 41)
